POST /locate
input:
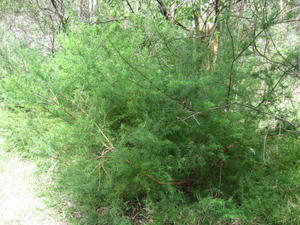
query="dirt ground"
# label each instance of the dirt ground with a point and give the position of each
(19, 203)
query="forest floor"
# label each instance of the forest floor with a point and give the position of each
(19, 201)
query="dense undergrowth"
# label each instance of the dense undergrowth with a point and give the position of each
(136, 130)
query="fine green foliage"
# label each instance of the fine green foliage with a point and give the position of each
(144, 125)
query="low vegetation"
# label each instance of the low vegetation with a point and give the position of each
(140, 123)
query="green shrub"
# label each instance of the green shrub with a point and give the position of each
(147, 138)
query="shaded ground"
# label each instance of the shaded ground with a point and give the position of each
(19, 204)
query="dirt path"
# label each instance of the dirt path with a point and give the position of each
(19, 204)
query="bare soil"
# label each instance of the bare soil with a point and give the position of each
(19, 203)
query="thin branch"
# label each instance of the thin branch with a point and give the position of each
(265, 146)
(273, 88)
(63, 20)
(232, 64)
(205, 111)
(280, 54)
(253, 108)
(130, 7)
(150, 81)
(107, 21)
(179, 5)
(270, 114)
(249, 44)
(165, 12)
